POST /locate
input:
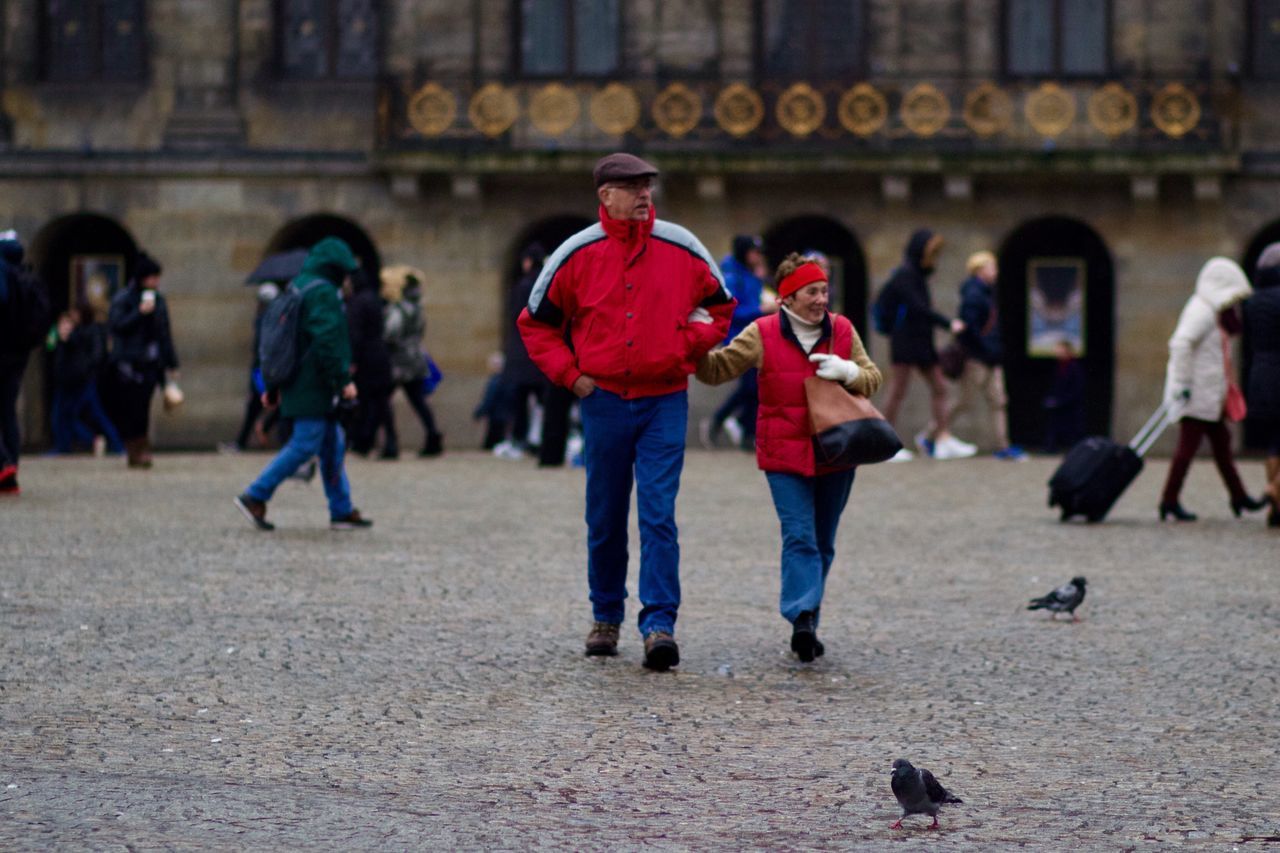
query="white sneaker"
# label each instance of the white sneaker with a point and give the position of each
(508, 450)
(952, 448)
(733, 429)
(902, 455)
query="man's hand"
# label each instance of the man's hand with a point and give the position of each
(835, 368)
(699, 315)
(270, 399)
(957, 326)
(583, 386)
(349, 391)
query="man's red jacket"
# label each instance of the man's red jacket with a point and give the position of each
(623, 291)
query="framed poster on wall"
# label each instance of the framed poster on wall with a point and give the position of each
(1055, 306)
(95, 279)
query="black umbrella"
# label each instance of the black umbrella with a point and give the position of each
(278, 268)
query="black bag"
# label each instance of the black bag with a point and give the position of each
(886, 314)
(952, 359)
(280, 340)
(24, 319)
(1097, 470)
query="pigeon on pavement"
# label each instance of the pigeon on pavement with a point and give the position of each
(1064, 599)
(918, 792)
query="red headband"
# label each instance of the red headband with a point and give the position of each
(806, 273)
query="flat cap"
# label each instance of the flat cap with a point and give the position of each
(622, 167)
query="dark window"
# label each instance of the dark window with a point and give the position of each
(92, 40)
(1056, 37)
(323, 39)
(821, 38)
(1264, 38)
(570, 37)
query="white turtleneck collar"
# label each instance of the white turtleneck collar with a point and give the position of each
(808, 334)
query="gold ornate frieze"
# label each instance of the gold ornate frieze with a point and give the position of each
(1050, 109)
(1113, 110)
(801, 110)
(739, 109)
(615, 109)
(432, 110)
(925, 110)
(554, 109)
(677, 110)
(862, 110)
(988, 109)
(493, 109)
(1175, 110)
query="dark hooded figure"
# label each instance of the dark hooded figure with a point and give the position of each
(24, 315)
(371, 359)
(1262, 331)
(905, 304)
(520, 376)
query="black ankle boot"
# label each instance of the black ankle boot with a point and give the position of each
(1176, 510)
(804, 636)
(1246, 502)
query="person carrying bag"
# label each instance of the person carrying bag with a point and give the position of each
(804, 353)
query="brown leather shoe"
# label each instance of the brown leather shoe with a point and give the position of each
(660, 651)
(603, 640)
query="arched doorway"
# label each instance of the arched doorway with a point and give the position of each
(549, 233)
(838, 243)
(1056, 282)
(306, 232)
(1253, 437)
(82, 258)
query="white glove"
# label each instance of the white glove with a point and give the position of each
(835, 368)
(699, 315)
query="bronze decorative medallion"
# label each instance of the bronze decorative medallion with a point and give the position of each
(800, 110)
(988, 109)
(862, 110)
(739, 109)
(493, 109)
(677, 110)
(615, 109)
(554, 109)
(1175, 110)
(1050, 109)
(925, 110)
(1113, 109)
(432, 109)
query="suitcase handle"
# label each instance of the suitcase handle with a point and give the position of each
(1169, 411)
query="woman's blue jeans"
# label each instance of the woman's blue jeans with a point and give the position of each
(809, 511)
(321, 437)
(638, 441)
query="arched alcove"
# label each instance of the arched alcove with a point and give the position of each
(305, 232)
(838, 243)
(548, 233)
(1056, 281)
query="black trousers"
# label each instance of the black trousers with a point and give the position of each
(375, 414)
(10, 384)
(555, 426)
(413, 392)
(129, 406)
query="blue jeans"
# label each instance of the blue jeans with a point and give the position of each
(321, 437)
(69, 404)
(809, 510)
(639, 440)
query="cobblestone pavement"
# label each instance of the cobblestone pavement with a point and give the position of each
(170, 677)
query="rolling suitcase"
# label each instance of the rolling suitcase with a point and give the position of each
(1097, 470)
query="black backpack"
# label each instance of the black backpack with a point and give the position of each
(24, 319)
(280, 343)
(887, 314)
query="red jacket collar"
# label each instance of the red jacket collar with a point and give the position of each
(629, 231)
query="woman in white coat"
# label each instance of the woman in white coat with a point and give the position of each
(1198, 378)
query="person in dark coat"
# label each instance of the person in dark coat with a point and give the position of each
(522, 380)
(906, 302)
(24, 316)
(742, 270)
(404, 324)
(1262, 389)
(79, 351)
(372, 361)
(253, 408)
(142, 353)
(1064, 404)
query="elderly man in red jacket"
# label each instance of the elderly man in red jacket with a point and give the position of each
(620, 315)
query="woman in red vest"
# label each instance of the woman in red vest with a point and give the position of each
(801, 340)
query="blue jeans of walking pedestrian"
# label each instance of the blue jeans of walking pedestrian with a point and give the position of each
(637, 441)
(70, 405)
(321, 437)
(809, 511)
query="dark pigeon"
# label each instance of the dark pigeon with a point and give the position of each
(1064, 599)
(918, 792)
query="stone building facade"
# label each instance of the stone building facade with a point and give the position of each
(1103, 148)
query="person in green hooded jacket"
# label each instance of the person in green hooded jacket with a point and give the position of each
(311, 398)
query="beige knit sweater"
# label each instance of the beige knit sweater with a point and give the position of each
(747, 351)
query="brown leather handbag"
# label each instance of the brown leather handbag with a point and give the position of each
(847, 429)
